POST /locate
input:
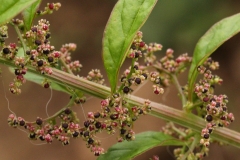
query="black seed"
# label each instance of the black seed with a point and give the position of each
(204, 155)
(3, 35)
(22, 123)
(212, 99)
(138, 80)
(90, 141)
(217, 104)
(32, 135)
(39, 121)
(206, 136)
(86, 134)
(96, 115)
(65, 125)
(40, 63)
(210, 130)
(107, 109)
(41, 138)
(38, 42)
(136, 55)
(32, 57)
(133, 46)
(123, 79)
(98, 125)
(128, 136)
(220, 125)
(135, 67)
(157, 80)
(39, 12)
(145, 75)
(126, 89)
(67, 111)
(34, 29)
(50, 59)
(97, 154)
(75, 134)
(115, 95)
(204, 91)
(134, 118)
(224, 109)
(28, 52)
(113, 116)
(109, 128)
(21, 65)
(130, 80)
(46, 51)
(65, 143)
(15, 122)
(45, 41)
(209, 118)
(6, 50)
(86, 124)
(122, 131)
(48, 35)
(140, 111)
(17, 72)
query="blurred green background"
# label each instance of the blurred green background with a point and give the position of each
(173, 23)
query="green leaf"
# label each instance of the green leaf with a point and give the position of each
(209, 42)
(10, 8)
(29, 14)
(126, 19)
(143, 142)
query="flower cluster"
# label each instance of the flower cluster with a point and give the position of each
(66, 57)
(3, 33)
(49, 8)
(149, 57)
(95, 76)
(168, 66)
(115, 113)
(137, 74)
(47, 130)
(185, 135)
(214, 106)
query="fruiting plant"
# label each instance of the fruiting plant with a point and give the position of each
(204, 114)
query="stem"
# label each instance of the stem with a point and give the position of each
(175, 81)
(177, 130)
(179, 88)
(65, 66)
(191, 148)
(20, 38)
(188, 120)
(129, 75)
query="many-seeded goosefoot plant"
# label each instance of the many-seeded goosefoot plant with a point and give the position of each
(35, 59)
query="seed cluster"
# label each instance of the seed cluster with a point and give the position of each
(3, 33)
(214, 106)
(137, 74)
(185, 135)
(66, 57)
(95, 76)
(115, 114)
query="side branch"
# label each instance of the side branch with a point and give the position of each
(188, 120)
